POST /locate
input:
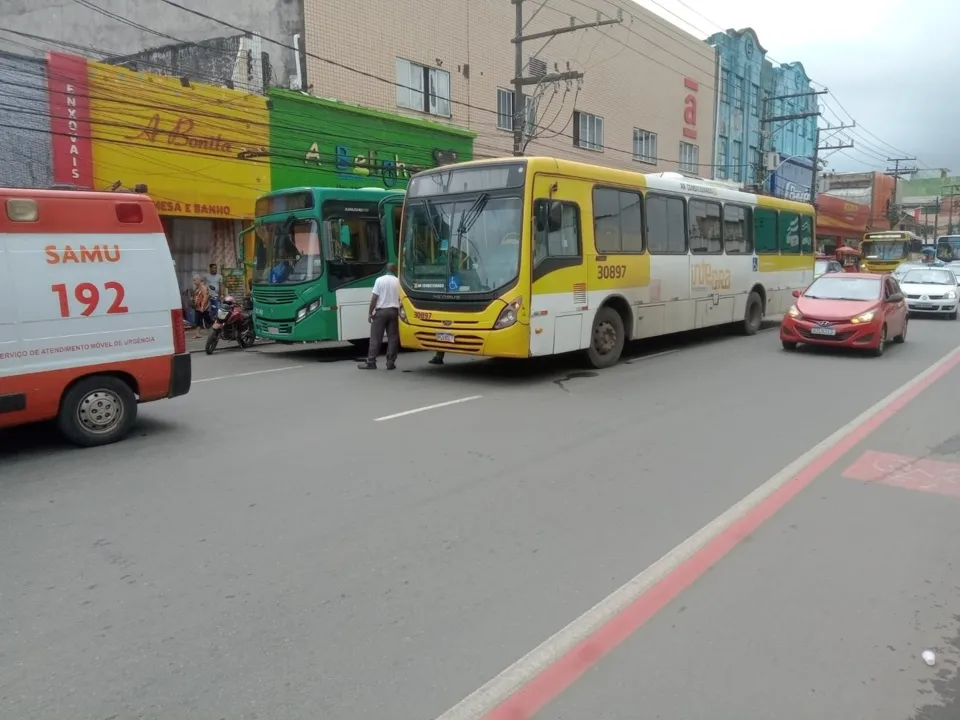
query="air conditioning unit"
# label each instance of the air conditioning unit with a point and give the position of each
(771, 161)
(538, 67)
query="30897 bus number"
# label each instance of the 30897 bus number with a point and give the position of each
(611, 272)
(88, 295)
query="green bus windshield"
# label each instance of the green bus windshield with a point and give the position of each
(338, 233)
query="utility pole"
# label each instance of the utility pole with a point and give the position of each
(519, 82)
(816, 155)
(897, 172)
(763, 174)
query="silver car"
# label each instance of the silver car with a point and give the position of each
(931, 291)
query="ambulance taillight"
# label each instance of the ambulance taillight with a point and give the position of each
(179, 334)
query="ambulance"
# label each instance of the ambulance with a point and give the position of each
(91, 322)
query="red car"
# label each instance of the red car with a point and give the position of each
(852, 310)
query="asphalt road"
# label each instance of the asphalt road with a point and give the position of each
(289, 541)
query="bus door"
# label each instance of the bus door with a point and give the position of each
(559, 276)
(246, 243)
(390, 210)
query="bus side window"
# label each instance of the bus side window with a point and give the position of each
(332, 239)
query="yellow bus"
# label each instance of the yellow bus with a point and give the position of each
(526, 257)
(884, 251)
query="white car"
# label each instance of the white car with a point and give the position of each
(931, 291)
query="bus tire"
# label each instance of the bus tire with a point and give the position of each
(606, 339)
(752, 315)
(97, 410)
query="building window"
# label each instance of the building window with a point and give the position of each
(587, 131)
(617, 221)
(666, 225)
(725, 87)
(722, 157)
(736, 230)
(703, 219)
(738, 92)
(505, 111)
(755, 100)
(644, 146)
(689, 157)
(736, 160)
(423, 89)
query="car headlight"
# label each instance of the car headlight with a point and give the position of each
(794, 312)
(508, 316)
(951, 295)
(865, 318)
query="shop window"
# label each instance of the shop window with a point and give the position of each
(765, 231)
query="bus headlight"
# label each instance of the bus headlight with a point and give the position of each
(301, 314)
(508, 316)
(307, 310)
(402, 313)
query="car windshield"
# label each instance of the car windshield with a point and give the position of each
(929, 277)
(835, 287)
(883, 250)
(466, 244)
(286, 252)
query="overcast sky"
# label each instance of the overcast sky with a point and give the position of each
(892, 64)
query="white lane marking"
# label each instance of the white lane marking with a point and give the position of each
(247, 374)
(500, 688)
(427, 407)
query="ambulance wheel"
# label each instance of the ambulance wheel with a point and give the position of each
(98, 410)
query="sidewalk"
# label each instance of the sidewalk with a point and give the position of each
(197, 346)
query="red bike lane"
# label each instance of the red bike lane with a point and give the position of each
(815, 598)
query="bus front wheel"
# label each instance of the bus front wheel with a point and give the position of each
(606, 339)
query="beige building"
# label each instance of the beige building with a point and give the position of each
(646, 102)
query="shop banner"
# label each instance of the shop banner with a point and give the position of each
(200, 149)
(69, 92)
(324, 143)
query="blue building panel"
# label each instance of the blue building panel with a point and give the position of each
(739, 104)
(749, 84)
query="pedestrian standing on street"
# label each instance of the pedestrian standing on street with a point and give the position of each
(201, 304)
(214, 281)
(384, 317)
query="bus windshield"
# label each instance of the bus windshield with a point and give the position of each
(883, 250)
(287, 251)
(948, 248)
(461, 244)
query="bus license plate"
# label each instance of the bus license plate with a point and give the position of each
(445, 337)
(270, 329)
(823, 331)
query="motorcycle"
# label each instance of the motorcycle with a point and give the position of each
(233, 322)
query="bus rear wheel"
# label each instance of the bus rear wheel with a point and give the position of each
(606, 339)
(753, 315)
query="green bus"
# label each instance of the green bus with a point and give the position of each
(316, 253)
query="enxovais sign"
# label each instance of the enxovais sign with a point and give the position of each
(69, 93)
